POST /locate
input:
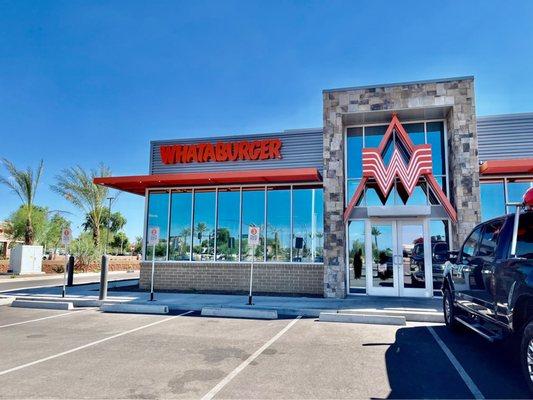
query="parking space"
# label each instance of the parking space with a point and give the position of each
(11, 316)
(94, 355)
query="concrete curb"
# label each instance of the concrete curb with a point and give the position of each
(133, 308)
(6, 300)
(52, 305)
(362, 318)
(239, 313)
(77, 302)
(411, 316)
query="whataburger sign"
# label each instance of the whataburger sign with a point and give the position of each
(265, 149)
(419, 164)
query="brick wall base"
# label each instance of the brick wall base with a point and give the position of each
(302, 279)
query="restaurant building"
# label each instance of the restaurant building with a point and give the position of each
(370, 203)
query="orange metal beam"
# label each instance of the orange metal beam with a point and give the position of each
(502, 167)
(137, 184)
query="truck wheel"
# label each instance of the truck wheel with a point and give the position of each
(526, 354)
(449, 311)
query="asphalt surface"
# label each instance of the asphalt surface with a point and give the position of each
(58, 354)
(7, 284)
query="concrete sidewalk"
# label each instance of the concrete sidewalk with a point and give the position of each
(8, 277)
(430, 309)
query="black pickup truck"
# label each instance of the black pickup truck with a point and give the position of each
(488, 286)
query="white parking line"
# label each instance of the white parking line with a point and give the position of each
(50, 316)
(245, 363)
(462, 373)
(64, 353)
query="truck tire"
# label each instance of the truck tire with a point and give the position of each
(526, 354)
(450, 311)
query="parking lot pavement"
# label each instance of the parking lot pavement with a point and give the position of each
(94, 355)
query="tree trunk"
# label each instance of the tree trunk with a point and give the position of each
(96, 235)
(28, 233)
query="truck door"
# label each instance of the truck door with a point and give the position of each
(485, 293)
(511, 273)
(462, 272)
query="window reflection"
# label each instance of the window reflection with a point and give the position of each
(228, 224)
(278, 224)
(307, 225)
(515, 192)
(192, 223)
(440, 244)
(180, 226)
(204, 225)
(420, 132)
(356, 254)
(253, 213)
(492, 200)
(158, 217)
(416, 132)
(435, 137)
(355, 148)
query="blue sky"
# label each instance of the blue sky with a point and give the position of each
(84, 82)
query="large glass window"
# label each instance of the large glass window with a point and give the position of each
(416, 132)
(307, 225)
(492, 200)
(355, 146)
(208, 224)
(515, 191)
(228, 224)
(204, 225)
(158, 217)
(371, 136)
(278, 224)
(253, 213)
(435, 137)
(180, 225)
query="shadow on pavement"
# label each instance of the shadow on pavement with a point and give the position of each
(418, 368)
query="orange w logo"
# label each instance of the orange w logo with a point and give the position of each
(419, 164)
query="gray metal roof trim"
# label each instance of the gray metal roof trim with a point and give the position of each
(240, 136)
(384, 85)
(484, 118)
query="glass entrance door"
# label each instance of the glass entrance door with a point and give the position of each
(397, 254)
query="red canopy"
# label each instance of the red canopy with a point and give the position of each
(503, 167)
(137, 184)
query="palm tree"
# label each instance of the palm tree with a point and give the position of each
(376, 232)
(24, 185)
(77, 186)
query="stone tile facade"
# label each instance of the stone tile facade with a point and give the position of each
(303, 279)
(455, 94)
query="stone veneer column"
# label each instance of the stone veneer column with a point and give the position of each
(334, 232)
(463, 165)
(455, 94)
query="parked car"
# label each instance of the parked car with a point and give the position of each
(488, 287)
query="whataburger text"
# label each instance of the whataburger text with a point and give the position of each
(221, 151)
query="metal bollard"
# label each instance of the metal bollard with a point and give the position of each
(70, 279)
(103, 277)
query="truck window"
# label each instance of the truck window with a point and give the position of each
(524, 242)
(470, 245)
(489, 238)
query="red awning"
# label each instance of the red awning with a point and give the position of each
(138, 183)
(504, 167)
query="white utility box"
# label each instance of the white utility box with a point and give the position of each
(26, 259)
